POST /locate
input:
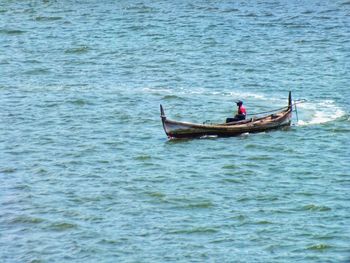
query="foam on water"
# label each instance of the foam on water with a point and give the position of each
(317, 113)
(247, 95)
(203, 91)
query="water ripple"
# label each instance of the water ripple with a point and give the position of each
(88, 173)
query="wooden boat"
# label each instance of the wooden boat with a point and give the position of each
(276, 119)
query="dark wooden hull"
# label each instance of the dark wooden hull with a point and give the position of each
(176, 129)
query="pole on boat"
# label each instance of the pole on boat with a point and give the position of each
(290, 105)
(162, 114)
(296, 111)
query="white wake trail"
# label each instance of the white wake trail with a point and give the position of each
(319, 112)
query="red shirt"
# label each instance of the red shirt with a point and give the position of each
(242, 110)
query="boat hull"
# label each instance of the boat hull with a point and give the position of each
(176, 129)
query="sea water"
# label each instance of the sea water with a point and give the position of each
(87, 173)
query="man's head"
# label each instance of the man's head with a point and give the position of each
(239, 103)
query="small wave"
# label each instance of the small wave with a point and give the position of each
(79, 102)
(143, 157)
(307, 12)
(41, 171)
(316, 208)
(195, 205)
(230, 10)
(77, 50)
(200, 205)
(341, 130)
(185, 203)
(38, 71)
(236, 94)
(33, 61)
(4, 62)
(48, 18)
(156, 194)
(249, 15)
(264, 222)
(177, 140)
(319, 247)
(27, 220)
(233, 180)
(244, 199)
(8, 170)
(140, 8)
(62, 226)
(261, 158)
(346, 3)
(171, 97)
(230, 166)
(197, 230)
(156, 91)
(239, 217)
(135, 28)
(251, 146)
(105, 241)
(124, 117)
(12, 31)
(298, 26)
(250, 95)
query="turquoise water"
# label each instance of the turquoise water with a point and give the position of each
(87, 173)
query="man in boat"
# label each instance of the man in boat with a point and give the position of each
(241, 113)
